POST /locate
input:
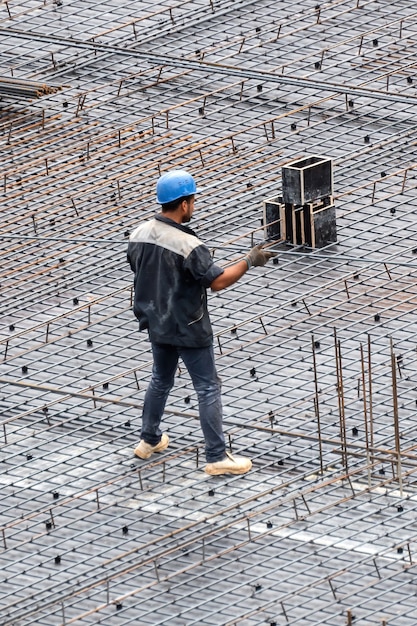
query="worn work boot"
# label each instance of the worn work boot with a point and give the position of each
(145, 450)
(229, 465)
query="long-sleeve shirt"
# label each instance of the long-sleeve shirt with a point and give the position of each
(173, 270)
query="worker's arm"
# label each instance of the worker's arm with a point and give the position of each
(230, 275)
(257, 257)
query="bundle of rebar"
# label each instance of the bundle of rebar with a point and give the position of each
(19, 88)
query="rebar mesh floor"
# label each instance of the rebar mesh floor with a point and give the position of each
(316, 351)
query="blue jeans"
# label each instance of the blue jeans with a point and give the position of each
(202, 369)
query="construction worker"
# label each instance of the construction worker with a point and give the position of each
(172, 271)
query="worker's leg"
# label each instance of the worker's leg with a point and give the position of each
(202, 369)
(165, 360)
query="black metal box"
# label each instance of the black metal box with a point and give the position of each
(312, 225)
(274, 218)
(307, 180)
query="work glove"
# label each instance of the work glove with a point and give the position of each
(257, 257)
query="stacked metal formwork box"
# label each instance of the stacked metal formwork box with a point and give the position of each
(305, 213)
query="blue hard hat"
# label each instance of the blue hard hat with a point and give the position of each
(174, 185)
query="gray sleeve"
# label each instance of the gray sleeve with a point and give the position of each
(200, 265)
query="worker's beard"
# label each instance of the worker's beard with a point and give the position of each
(187, 217)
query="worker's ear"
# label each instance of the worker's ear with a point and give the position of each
(184, 207)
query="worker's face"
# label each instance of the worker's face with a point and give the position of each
(188, 210)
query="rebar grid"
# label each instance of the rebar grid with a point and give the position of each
(316, 352)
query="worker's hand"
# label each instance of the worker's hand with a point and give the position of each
(257, 257)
